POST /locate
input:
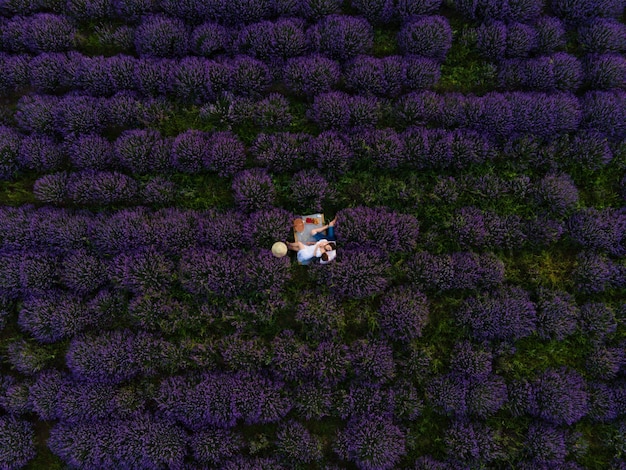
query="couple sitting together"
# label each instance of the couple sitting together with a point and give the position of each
(324, 248)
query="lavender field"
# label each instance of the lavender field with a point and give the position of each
(474, 154)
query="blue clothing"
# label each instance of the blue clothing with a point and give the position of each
(330, 235)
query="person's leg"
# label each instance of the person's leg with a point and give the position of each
(295, 246)
(318, 230)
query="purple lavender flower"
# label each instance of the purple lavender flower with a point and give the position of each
(239, 353)
(93, 75)
(10, 142)
(313, 400)
(341, 37)
(291, 358)
(331, 152)
(482, 271)
(16, 73)
(371, 443)
(246, 11)
(486, 396)
(491, 40)
(209, 39)
(249, 76)
(213, 446)
(372, 361)
(297, 444)
(191, 80)
(47, 32)
(161, 36)
(597, 320)
(205, 272)
(429, 36)
(269, 225)
(309, 189)
(521, 40)
(36, 113)
(17, 439)
(357, 273)
(83, 272)
(82, 10)
(321, 316)
(280, 39)
(281, 152)
(53, 71)
(550, 34)
(77, 114)
(227, 154)
(544, 114)
(507, 314)
(593, 150)
(556, 193)
(580, 11)
(407, 9)
(471, 442)
(557, 314)
(605, 71)
(91, 187)
(594, 273)
(375, 11)
(604, 363)
(599, 229)
(605, 111)
(365, 112)
(476, 228)
(472, 360)
(381, 148)
(602, 35)
(421, 72)
(120, 231)
(222, 230)
(364, 398)
(311, 75)
(331, 110)
(117, 356)
(60, 229)
(602, 403)
(90, 151)
(546, 444)
(189, 150)
(317, 9)
(253, 189)
(394, 231)
(55, 317)
(51, 189)
(403, 314)
(143, 441)
(153, 77)
(14, 396)
(143, 151)
(490, 114)
(273, 112)
(159, 191)
(142, 271)
(561, 396)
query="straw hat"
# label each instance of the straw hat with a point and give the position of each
(279, 249)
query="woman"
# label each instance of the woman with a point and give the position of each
(308, 252)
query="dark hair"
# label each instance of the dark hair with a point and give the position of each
(324, 257)
(333, 245)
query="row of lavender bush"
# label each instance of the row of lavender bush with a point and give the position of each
(377, 11)
(340, 37)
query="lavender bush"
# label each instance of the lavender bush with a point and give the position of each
(311, 75)
(429, 36)
(17, 439)
(341, 37)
